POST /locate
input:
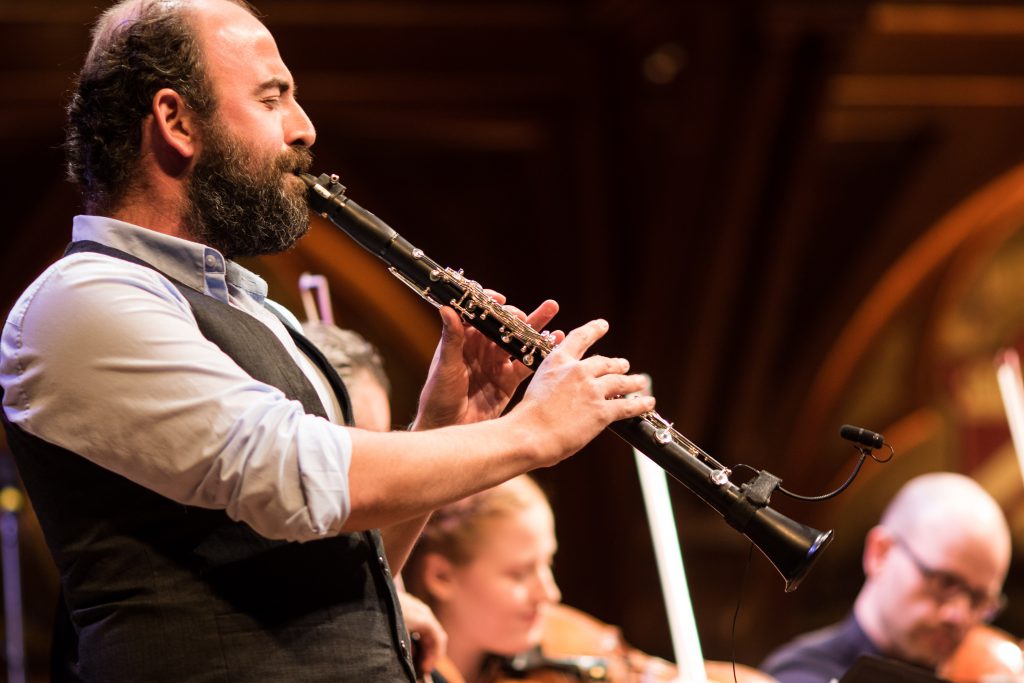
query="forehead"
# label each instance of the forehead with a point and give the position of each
(238, 50)
(370, 403)
(966, 553)
(524, 533)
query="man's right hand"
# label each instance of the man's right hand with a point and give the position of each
(571, 398)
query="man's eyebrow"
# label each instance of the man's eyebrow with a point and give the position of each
(279, 84)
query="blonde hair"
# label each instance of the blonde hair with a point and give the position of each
(455, 531)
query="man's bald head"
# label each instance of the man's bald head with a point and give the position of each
(944, 505)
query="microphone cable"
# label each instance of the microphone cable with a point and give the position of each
(864, 441)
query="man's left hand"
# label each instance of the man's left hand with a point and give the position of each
(471, 378)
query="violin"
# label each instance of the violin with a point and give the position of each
(986, 655)
(576, 647)
(570, 633)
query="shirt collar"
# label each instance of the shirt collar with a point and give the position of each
(202, 268)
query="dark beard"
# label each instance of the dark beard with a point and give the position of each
(243, 207)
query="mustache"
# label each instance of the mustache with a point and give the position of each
(298, 159)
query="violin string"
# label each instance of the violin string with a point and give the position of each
(736, 612)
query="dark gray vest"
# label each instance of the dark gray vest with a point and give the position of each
(158, 591)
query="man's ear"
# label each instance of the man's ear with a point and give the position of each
(174, 124)
(877, 547)
(439, 576)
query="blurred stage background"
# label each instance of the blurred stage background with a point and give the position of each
(795, 214)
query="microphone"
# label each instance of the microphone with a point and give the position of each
(861, 436)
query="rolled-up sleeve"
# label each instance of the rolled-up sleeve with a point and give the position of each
(144, 394)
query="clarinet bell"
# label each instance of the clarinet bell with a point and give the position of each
(790, 546)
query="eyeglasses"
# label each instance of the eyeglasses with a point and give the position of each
(943, 586)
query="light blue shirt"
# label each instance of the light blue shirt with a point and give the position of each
(103, 357)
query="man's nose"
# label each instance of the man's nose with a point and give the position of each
(959, 609)
(299, 128)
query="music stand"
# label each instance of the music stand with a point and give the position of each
(868, 669)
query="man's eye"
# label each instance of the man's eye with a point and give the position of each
(946, 583)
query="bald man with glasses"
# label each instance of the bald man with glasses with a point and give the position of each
(934, 567)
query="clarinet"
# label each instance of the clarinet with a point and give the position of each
(792, 547)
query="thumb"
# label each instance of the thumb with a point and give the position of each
(453, 336)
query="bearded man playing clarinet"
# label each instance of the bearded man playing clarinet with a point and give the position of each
(211, 516)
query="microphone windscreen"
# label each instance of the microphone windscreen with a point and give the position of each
(861, 436)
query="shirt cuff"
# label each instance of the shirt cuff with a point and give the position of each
(323, 476)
